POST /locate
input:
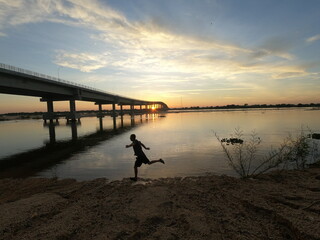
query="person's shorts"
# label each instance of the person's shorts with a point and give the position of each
(141, 159)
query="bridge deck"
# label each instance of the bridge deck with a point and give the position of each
(19, 81)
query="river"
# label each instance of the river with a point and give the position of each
(185, 140)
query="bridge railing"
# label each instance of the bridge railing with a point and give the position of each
(28, 72)
(47, 77)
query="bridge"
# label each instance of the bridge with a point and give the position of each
(19, 81)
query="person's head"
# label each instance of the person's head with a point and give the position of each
(132, 137)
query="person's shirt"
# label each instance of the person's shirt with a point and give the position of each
(137, 148)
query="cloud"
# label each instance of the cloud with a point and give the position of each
(2, 34)
(148, 53)
(84, 62)
(274, 47)
(210, 89)
(18, 12)
(313, 38)
(136, 46)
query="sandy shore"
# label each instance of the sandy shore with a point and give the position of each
(274, 206)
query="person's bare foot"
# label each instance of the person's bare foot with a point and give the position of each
(134, 179)
(161, 161)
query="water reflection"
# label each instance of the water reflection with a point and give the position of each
(51, 125)
(31, 162)
(52, 130)
(185, 141)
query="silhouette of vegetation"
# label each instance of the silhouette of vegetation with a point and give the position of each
(295, 152)
(247, 106)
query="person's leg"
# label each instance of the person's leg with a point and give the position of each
(136, 165)
(155, 161)
(136, 172)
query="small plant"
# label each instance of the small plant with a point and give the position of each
(298, 151)
(243, 151)
(241, 154)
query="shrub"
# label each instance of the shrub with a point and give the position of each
(241, 153)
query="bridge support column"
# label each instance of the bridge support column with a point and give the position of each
(132, 114)
(114, 116)
(74, 131)
(132, 111)
(52, 133)
(50, 106)
(100, 114)
(141, 113)
(146, 111)
(100, 124)
(50, 113)
(73, 114)
(121, 115)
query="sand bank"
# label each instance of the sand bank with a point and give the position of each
(274, 206)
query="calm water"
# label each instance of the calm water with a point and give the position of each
(185, 141)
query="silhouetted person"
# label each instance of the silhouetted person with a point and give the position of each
(140, 156)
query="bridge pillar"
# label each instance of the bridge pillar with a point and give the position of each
(100, 114)
(100, 124)
(121, 115)
(132, 111)
(52, 133)
(73, 114)
(49, 115)
(114, 116)
(50, 106)
(132, 114)
(140, 112)
(74, 131)
(121, 110)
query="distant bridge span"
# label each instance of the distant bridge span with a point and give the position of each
(18, 81)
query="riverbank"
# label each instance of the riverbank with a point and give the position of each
(274, 206)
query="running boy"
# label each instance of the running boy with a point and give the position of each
(140, 156)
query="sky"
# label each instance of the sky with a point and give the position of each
(182, 52)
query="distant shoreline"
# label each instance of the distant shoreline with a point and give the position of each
(93, 113)
(254, 106)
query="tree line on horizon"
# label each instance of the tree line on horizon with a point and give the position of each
(234, 106)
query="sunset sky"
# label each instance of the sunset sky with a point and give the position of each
(181, 52)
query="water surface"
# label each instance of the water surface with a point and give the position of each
(184, 140)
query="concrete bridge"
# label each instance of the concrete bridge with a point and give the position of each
(18, 81)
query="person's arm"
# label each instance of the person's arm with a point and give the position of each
(144, 146)
(130, 145)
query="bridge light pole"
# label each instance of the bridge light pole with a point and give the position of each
(59, 72)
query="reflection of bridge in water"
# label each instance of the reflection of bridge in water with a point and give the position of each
(31, 162)
(74, 130)
(18, 81)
